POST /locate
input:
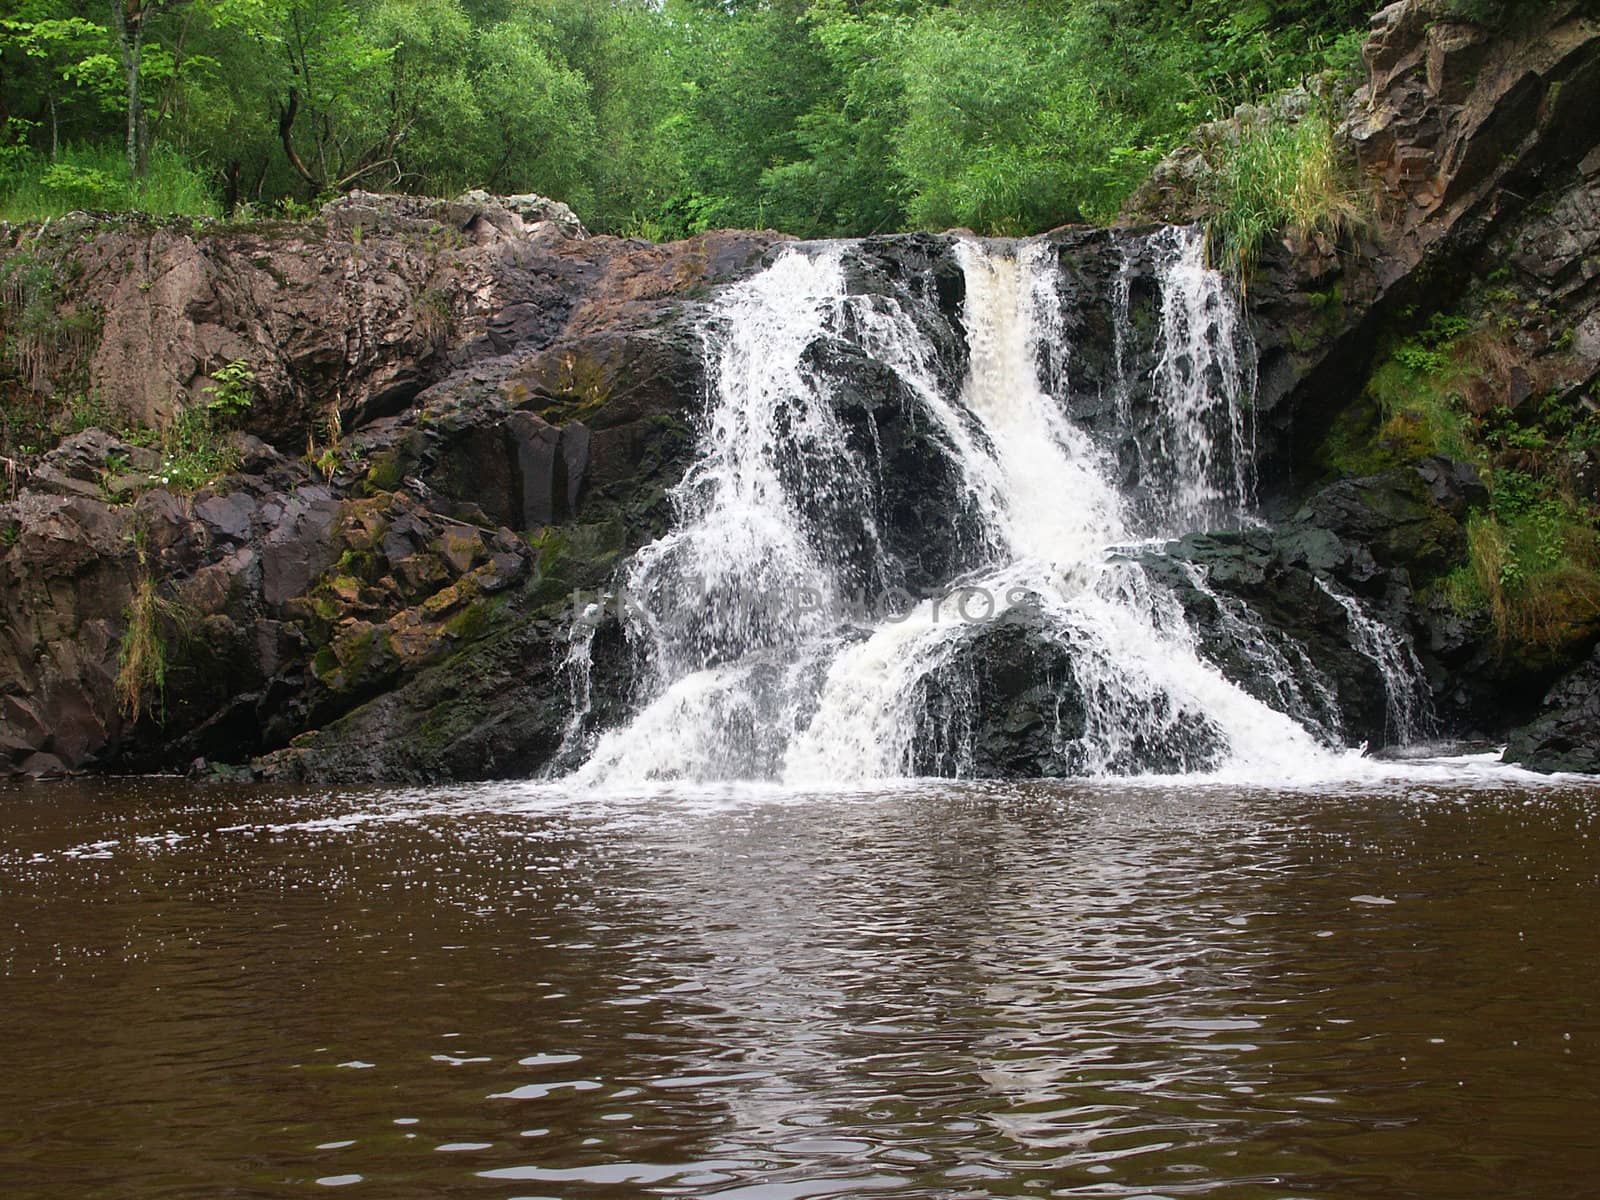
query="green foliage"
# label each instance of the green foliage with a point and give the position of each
(86, 410)
(195, 451)
(654, 117)
(197, 447)
(192, 459)
(230, 391)
(1416, 391)
(1533, 562)
(1533, 565)
(1014, 125)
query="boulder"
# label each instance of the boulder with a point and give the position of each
(1565, 736)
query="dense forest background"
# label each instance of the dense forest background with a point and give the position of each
(817, 117)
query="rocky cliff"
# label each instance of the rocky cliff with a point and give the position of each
(459, 412)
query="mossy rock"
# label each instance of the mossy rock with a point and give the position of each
(384, 474)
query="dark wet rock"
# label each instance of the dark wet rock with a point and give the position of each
(917, 509)
(1264, 611)
(1565, 736)
(1009, 703)
(1005, 706)
(93, 464)
(42, 766)
(1411, 516)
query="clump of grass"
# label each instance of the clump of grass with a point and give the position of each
(1281, 175)
(35, 187)
(142, 659)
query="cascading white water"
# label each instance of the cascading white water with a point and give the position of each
(757, 659)
(1203, 385)
(1297, 685)
(1408, 706)
(775, 557)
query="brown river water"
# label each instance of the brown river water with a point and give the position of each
(1385, 987)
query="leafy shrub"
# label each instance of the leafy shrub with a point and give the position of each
(74, 186)
(196, 444)
(230, 390)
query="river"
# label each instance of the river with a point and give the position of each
(1378, 986)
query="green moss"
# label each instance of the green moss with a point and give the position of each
(324, 663)
(1421, 406)
(356, 651)
(1531, 562)
(580, 385)
(384, 475)
(364, 564)
(355, 661)
(471, 622)
(1351, 446)
(446, 724)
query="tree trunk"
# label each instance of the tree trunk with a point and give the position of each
(127, 18)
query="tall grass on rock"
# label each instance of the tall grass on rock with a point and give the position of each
(142, 657)
(1283, 175)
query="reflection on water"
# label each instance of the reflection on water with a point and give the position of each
(935, 990)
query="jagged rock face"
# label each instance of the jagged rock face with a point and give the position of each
(1562, 737)
(1485, 155)
(1452, 117)
(345, 318)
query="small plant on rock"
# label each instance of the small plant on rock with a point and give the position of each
(141, 679)
(197, 448)
(230, 390)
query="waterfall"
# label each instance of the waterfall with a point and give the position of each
(774, 628)
(1408, 705)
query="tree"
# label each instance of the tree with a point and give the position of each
(128, 19)
(537, 131)
(62, 48)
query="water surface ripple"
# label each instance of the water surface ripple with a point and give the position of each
(928, 990)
